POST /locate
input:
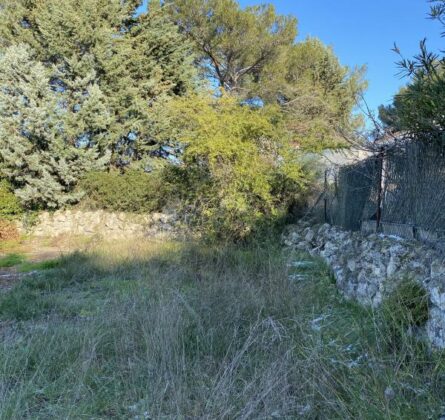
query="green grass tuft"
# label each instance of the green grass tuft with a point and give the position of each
(29, 266)
(11, 260)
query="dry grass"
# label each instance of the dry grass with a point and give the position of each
(180, 330)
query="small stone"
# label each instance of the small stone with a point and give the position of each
(437, 293)
(294, 237)
(389, 393)
(352, 265)
(391, 267)
(437, 268)
(303, 246)
(310, 235)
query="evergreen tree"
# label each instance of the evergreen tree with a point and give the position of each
(34, 155)
(252, 53)
(93, 81)
(234, 45)
(107, 59)
(316, 92)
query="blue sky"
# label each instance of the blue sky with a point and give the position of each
(363, 32)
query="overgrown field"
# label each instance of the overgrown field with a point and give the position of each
(182, 330)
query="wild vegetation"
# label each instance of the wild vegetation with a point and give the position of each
(176, 330)
(214, 111)
(418, 109)
(166, 97)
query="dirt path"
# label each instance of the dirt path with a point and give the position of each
(34, 251)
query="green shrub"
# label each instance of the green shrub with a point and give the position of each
(9, 203)
(132, 191)
(403, 311)
(240, 170)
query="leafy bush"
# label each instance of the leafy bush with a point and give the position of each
(240, 170)
(132, 191)
(9, 203)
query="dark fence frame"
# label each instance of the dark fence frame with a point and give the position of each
(399, 190)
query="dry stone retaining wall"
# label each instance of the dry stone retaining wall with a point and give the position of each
(366, 268)
(108, 225)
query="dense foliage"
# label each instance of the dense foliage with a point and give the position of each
(93, 85)
(34, 155)
(82, 86)
(9, 204)
(239, 168)
(252, 53)
(234, 45)
(133, 191)
(418, 110)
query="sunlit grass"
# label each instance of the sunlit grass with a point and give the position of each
(11, 260)
(28, 266)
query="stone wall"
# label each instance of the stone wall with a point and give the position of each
(101, 223)
(367, 267)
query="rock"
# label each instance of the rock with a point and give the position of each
(294, 238)
(310, 235)
(367, 268)
(303, 246)
(436, 328)
(352, 265)
(392, 266)
(437, 268)
(389, 393)
(437, 292)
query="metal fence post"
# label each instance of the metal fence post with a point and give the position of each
(381, 157)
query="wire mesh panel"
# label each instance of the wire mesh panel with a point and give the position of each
(356, 190)
(414, 180)
(401, 188)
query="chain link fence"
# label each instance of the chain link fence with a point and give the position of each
(398, 190)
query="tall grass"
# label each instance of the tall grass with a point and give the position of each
(178, 330)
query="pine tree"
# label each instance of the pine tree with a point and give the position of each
(316, 92)
(251, 52)
(234, 44)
